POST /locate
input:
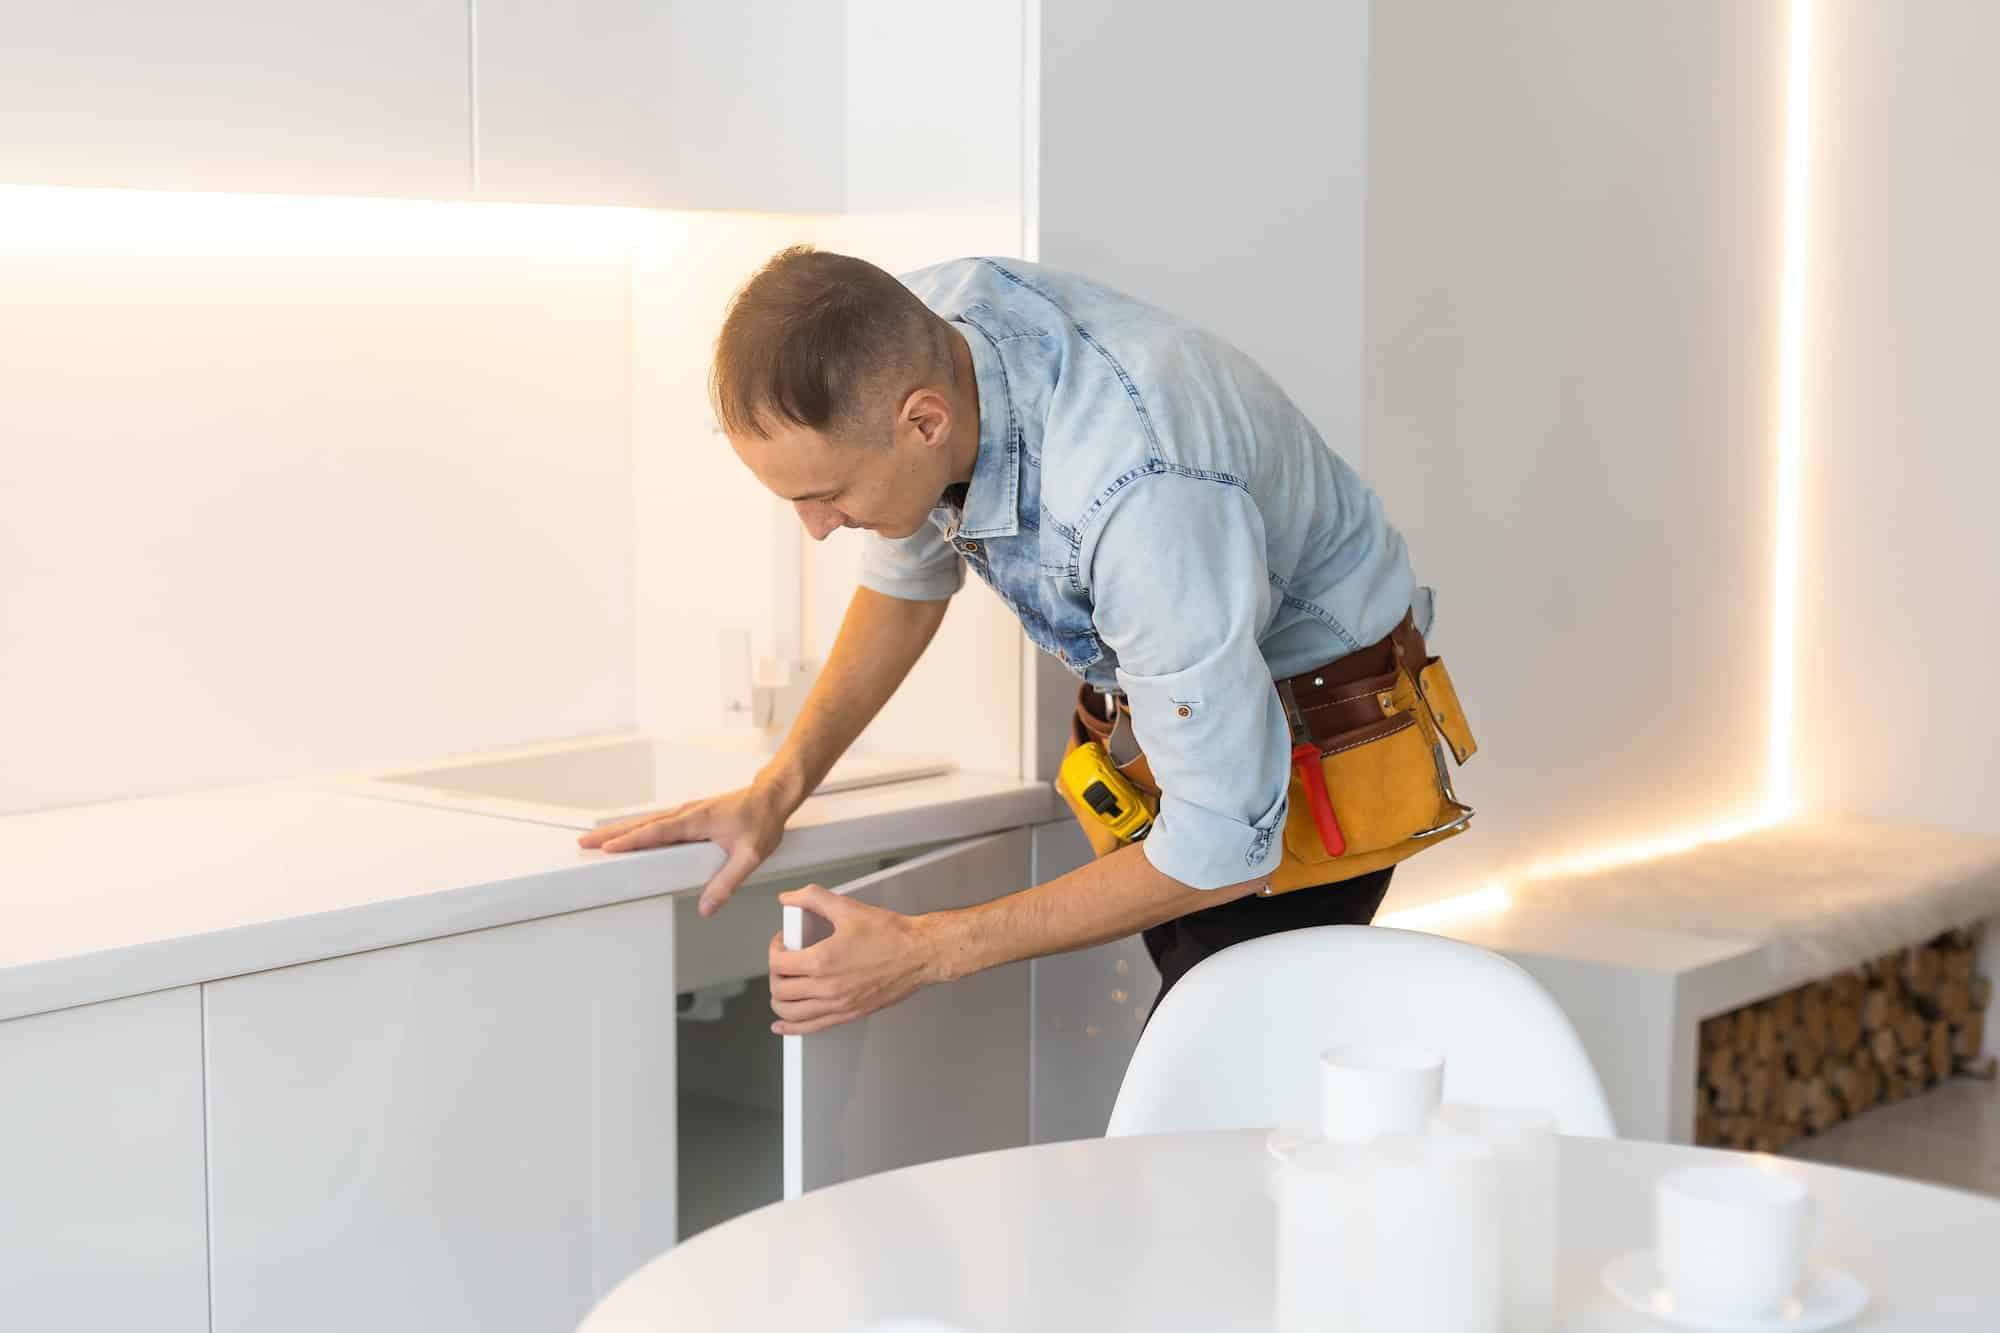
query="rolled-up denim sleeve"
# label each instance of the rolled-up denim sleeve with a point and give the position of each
(922, 567)
(1180, 590)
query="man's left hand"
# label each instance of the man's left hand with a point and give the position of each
(874, 958)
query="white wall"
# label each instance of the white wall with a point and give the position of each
(932, 171)
(934, 119)
(1572, 288)
(1899, 632)
(1213, 164)
(706, 533)
(703, 528)
(291, 484)
(297, 485)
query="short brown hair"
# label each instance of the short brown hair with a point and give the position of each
(812, 336)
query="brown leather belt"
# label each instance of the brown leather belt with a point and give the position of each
(1332, 699)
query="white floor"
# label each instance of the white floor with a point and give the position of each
(1948, 1136)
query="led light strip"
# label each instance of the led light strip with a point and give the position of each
(1780, 797)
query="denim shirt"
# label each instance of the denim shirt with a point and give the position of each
(1165, 520)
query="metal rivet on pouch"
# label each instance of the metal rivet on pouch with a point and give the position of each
(1318, 681)
(1185, 711)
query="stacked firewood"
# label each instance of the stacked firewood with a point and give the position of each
(1801, 1062)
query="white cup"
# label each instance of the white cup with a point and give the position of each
(1368, 1090)
(1523, 1142)
(1401, 1235)
(1732, 1239)
(1322, 1243)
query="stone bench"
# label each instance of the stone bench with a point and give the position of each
(1639, 955)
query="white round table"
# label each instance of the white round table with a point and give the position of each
(1170, 1232)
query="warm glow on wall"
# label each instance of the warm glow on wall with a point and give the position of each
(1425, 916)
(1780, 797)
(1649, 849)
(288, 225)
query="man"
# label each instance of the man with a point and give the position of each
(1156, 512)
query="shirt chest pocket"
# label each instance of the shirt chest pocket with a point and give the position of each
(1054, 623)
(1060, 626)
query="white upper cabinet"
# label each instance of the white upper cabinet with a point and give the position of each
(664, 103)
(276, 96)
(660, 103)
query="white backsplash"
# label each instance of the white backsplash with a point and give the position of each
(299, 483)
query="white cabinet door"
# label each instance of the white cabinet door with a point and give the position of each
(285, 96)
(102, 1220)
(941, 1074)
(469, 1133)
(666, 103)
(1090, 1007)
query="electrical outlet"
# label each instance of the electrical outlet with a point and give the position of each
(739, 687)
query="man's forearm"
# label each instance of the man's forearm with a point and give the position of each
(880, 639)
(1110, 898)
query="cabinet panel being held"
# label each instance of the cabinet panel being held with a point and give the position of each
(944, 1072)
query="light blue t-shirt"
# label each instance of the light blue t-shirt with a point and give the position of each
(1163, 518)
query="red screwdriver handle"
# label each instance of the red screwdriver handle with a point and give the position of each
(1307, 758)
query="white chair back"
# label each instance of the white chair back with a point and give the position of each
(1236, 1043)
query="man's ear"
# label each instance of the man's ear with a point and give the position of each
(928, 413)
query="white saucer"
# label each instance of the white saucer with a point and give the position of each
(1827, 1299)
(1286, 1140)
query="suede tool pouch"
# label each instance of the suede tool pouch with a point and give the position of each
(1385, 777)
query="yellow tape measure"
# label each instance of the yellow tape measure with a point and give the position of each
(1088, 774)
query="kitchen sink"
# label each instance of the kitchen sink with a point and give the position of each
(583, 783)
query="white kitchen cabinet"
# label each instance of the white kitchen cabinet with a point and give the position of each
(281, 96)
(663, 103)
(474, 1132)
(102, 1220)
(1090, 1006)
(486, 1131)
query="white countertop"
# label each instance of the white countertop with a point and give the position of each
(125, 897)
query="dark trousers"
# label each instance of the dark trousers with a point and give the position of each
(1179, 944)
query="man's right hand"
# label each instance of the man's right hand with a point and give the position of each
(748, 824)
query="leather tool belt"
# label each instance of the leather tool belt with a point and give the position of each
(1369, 783)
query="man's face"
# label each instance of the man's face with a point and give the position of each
(888, 487)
